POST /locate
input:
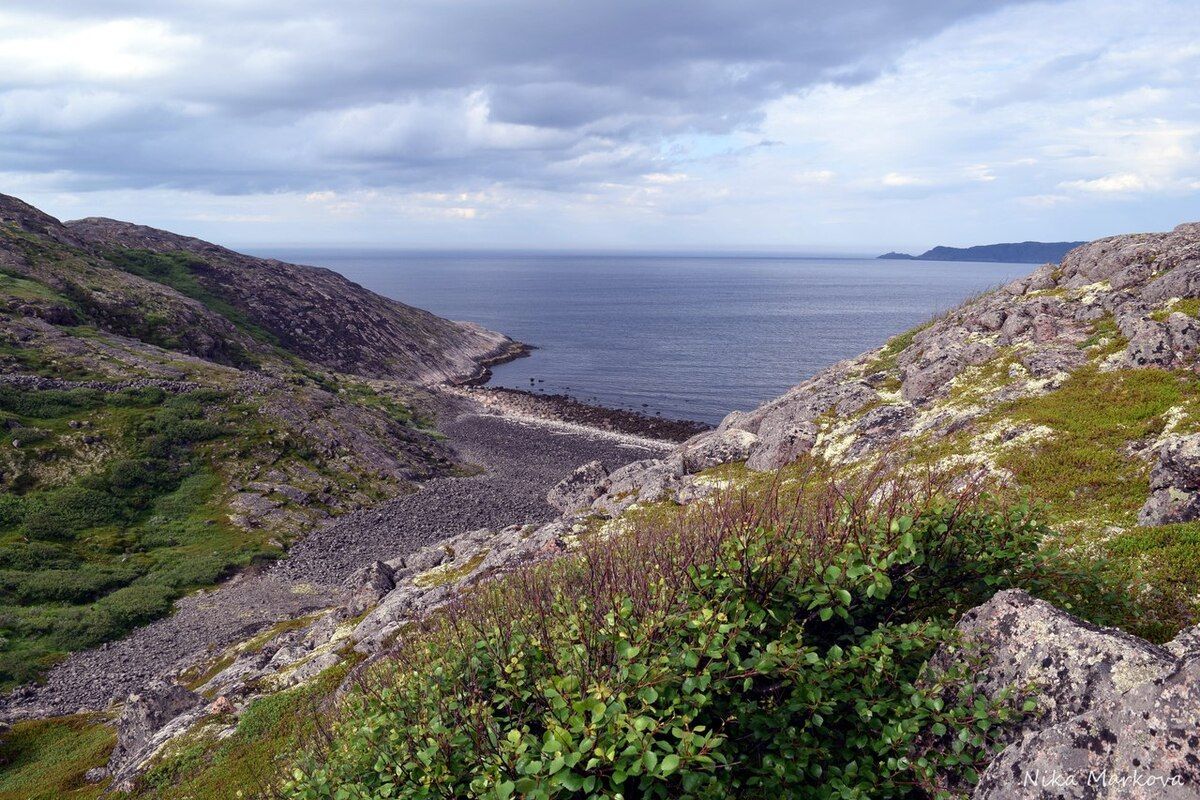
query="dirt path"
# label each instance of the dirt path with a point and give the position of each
(522, 460)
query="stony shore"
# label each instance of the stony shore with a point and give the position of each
(567, 410)
(521, 459)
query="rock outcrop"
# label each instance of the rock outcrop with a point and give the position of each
(1174, 483)
(1115, 716)
(1121, 303)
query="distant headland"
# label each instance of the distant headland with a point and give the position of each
(1009, 252)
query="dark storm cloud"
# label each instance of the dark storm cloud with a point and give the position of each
(253, 96)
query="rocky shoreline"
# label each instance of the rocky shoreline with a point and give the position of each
(561, 408)
(509, 351)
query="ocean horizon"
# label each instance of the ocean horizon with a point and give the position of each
(682, 336)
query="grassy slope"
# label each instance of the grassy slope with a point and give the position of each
(47, 759)
(99, 538)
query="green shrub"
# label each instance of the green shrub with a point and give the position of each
(48, 403)
(31, 556)
(57, 515)
(114, 615)
(765, 647)
(63, 585)
(12, 510)
(195, 571)
(29, 435)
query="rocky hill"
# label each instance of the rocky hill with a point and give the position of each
(171, 411)
(1007, 252)
(311, 312)
(122, 275)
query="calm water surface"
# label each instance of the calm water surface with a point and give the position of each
(687, 337)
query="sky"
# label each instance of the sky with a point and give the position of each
(688, 125)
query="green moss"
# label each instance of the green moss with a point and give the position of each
(46, 759)
(22, 288)
(1188, 305)
(1082, 469)
(1162, 565)
(441, 576)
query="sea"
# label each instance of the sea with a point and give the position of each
(687, 337)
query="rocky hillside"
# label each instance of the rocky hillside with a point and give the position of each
(1074, 388)
(121, 275)
(311, 312)
(171, 410)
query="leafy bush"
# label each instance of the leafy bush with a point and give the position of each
(12, 510)
(48, 403)
(30, 556)
(59, 514)
(63, 585)
(114, 615)
(758, 647)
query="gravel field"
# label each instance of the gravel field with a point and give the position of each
(522, 460)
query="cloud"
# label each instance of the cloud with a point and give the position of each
(293, 96)
(881, 124)
(896, 179)
(1122, 183)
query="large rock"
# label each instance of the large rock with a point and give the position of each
(368, 585)
(142, 726)
(579, 489)
(1174, 483)
(645, 481)
(1116, 716)
(1147, 745)
(1073, 666)
(715, 448)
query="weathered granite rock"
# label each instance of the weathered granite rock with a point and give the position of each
(718, 447)
(1108, 704)
(579, 489)
(940, 353)
(1071, 665)
(1145, 745)
(643, 481)
(1186, 645)
(1174, 483)
(784, 439)
(1050, 361)
(141, 726)
(369, 585)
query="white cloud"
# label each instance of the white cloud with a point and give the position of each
(896, 179)
(1123, 183)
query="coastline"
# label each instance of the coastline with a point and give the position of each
(572, 414)
(511, 351)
